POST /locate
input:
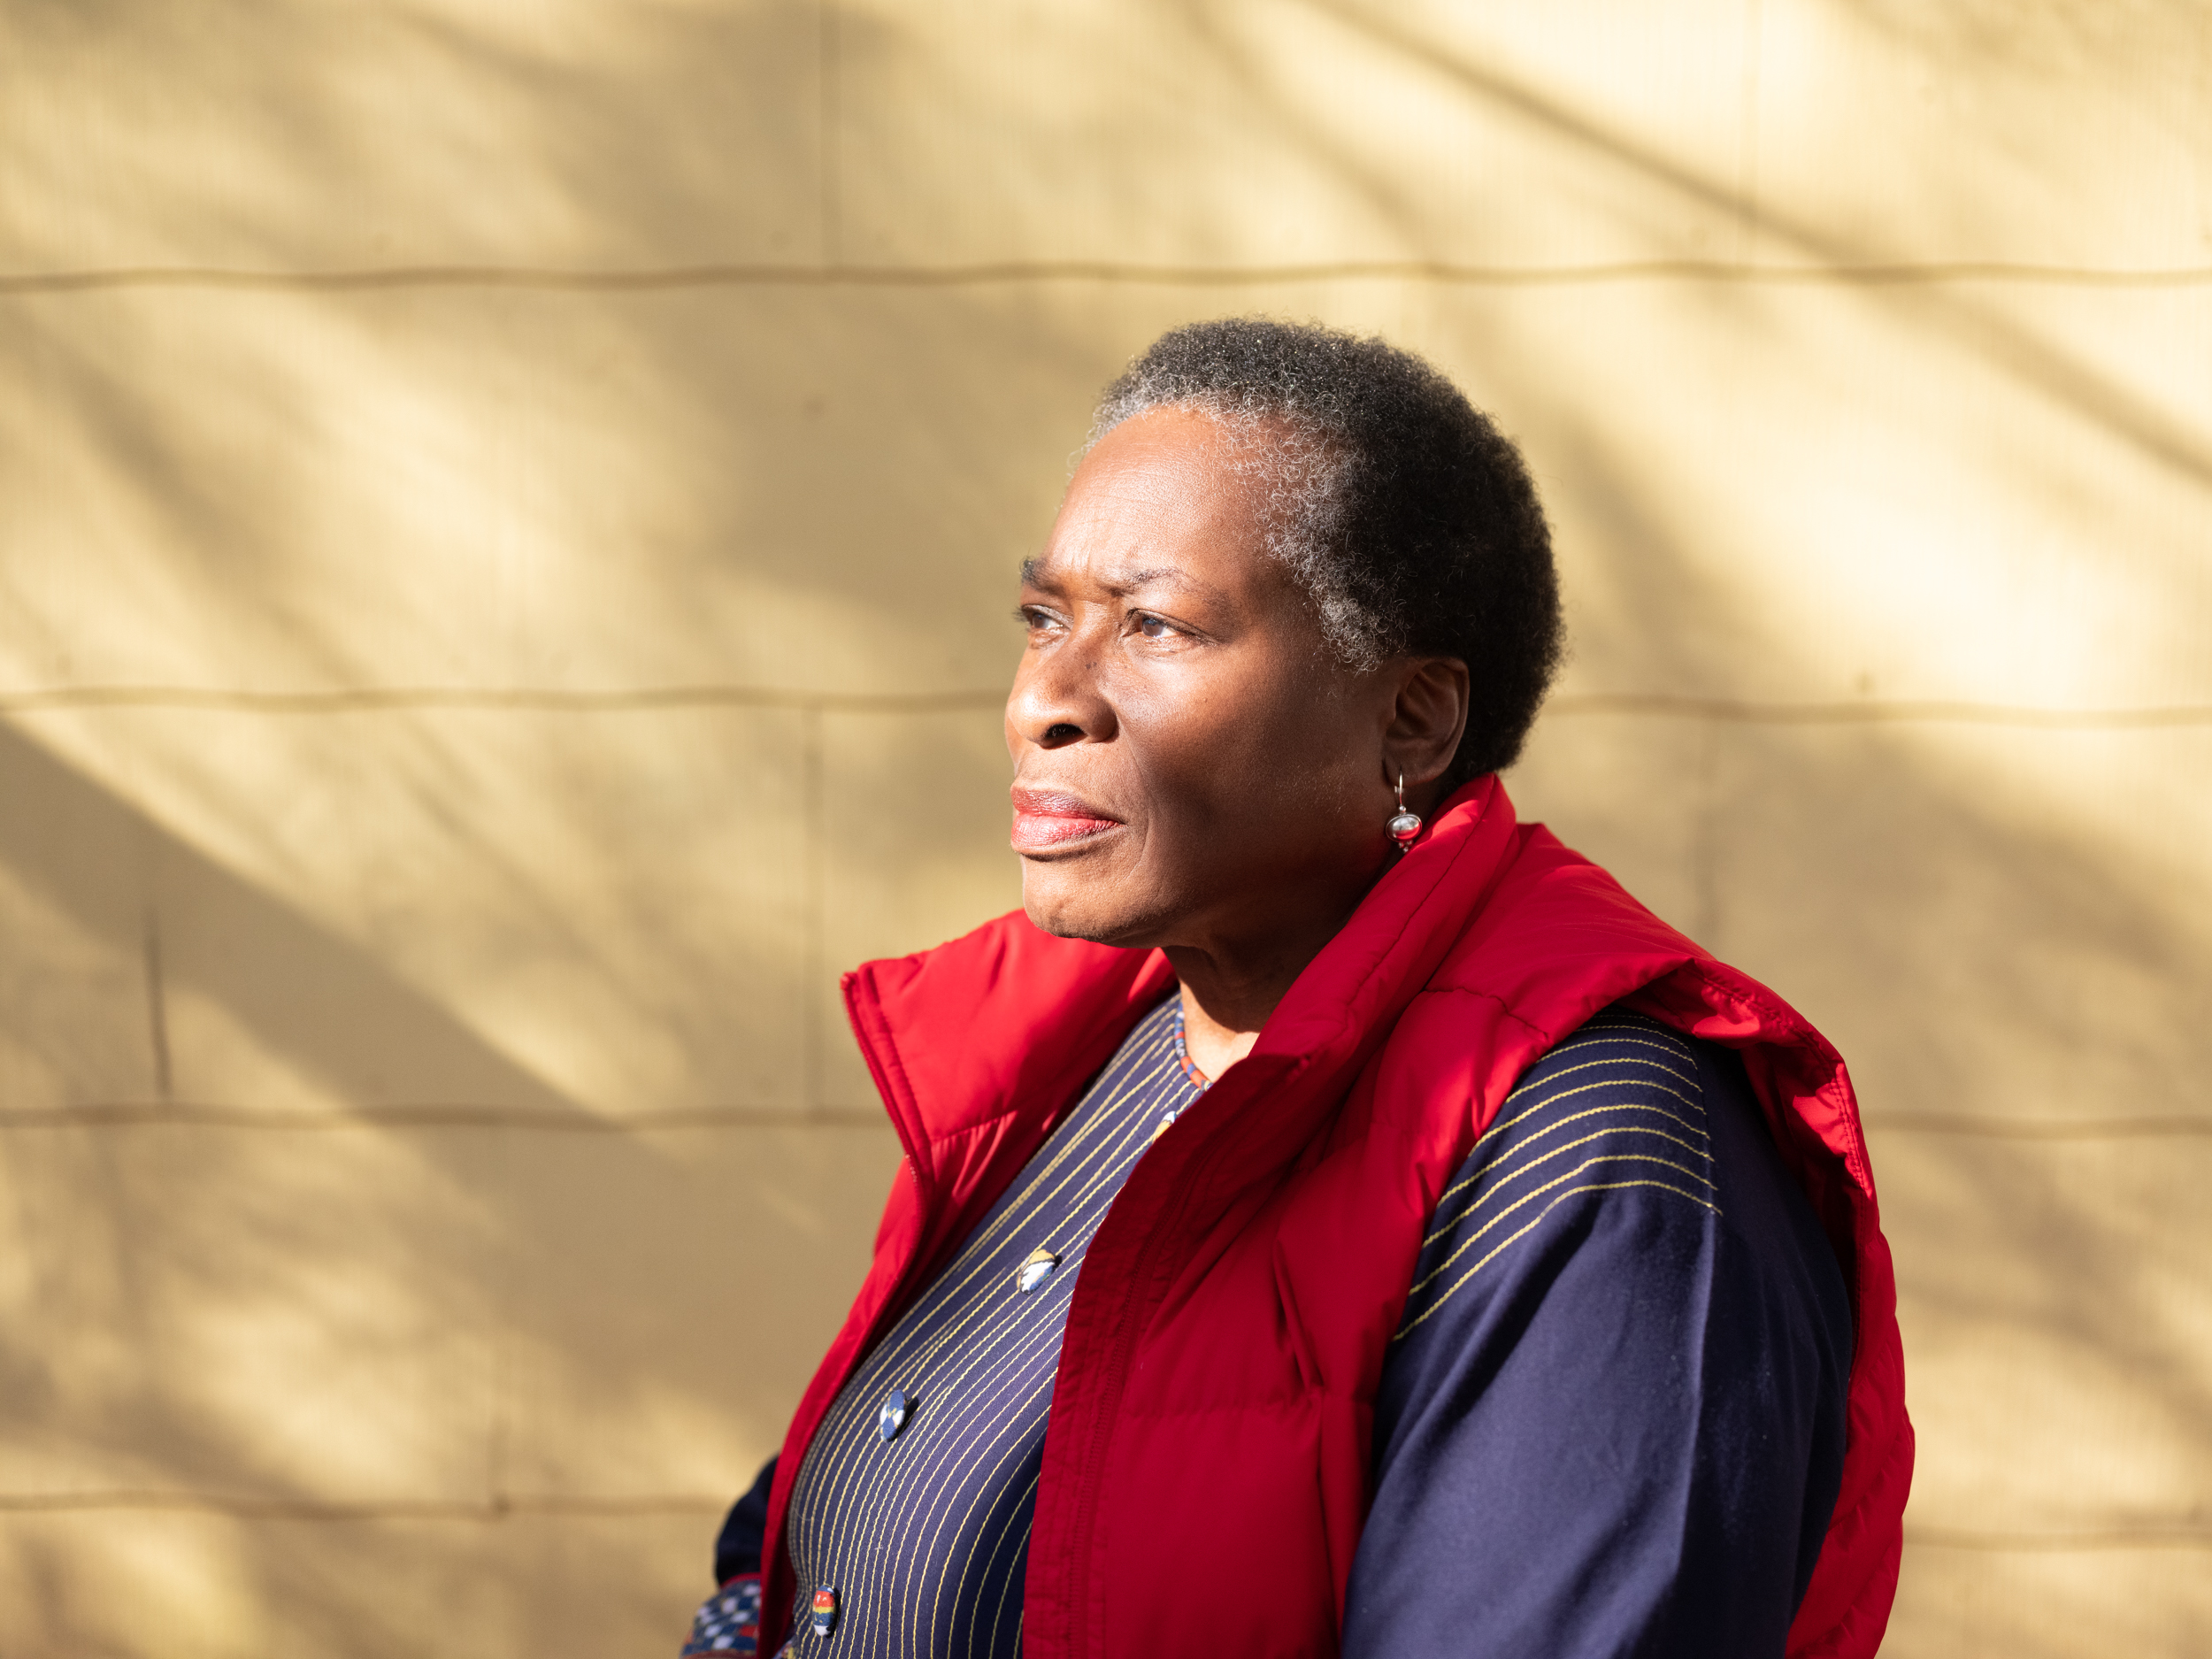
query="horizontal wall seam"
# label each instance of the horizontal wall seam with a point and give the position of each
(360, 699)
(308, 1510)
(155, 1114)
(2055, 1543)
(143, 1114)
(721, 276)
(1869, 711)
(372, 699)
(2036, 1129)
(555, 1505)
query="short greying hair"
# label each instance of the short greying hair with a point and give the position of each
(1408, 519)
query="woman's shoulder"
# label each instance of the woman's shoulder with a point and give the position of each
(1617, 1116)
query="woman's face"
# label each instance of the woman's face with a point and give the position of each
(1192, 765)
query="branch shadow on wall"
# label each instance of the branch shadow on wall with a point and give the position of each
(201, 1277)
(868, 467)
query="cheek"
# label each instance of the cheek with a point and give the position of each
(1246, 767)
(1194, 756)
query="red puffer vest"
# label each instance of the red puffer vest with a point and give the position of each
(1205, 1471)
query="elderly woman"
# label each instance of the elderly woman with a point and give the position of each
(1335, 1216)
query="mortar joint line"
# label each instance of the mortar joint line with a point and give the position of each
(352, 699)
(836, 273)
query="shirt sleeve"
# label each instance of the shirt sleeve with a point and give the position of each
(1612, 1420)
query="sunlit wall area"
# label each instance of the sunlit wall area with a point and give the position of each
(507, 513)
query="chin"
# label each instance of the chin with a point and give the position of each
(1064, 920)
(1065, 905)
(1061, 927)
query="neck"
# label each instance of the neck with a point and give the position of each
(1228, 993)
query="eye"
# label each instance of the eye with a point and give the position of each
(1153, 627)
(1036, 618)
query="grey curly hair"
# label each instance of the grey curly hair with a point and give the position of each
(1406, 517)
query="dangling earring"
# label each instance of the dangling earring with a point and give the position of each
(1406, 825)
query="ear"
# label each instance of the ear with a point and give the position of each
(1426, 719)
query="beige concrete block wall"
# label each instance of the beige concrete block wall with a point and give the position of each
(506, 521)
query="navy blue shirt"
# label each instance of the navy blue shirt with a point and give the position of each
(910, 1514)
(1611, 1422)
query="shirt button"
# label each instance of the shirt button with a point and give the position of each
(891, 1416)
(1040, 1267)
(824, 1610)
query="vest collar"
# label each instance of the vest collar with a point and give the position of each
(962, 1037)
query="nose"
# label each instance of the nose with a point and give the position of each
(1056, 699)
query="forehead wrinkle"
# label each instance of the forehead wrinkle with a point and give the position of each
(1174, 576)
(1042, 571)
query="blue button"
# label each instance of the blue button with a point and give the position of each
(891, 1416)
(1040, 1266)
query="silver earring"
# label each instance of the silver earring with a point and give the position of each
(1406, 825)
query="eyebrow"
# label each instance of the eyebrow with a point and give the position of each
(1035, 573)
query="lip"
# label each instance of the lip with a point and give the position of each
(1046, 819)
